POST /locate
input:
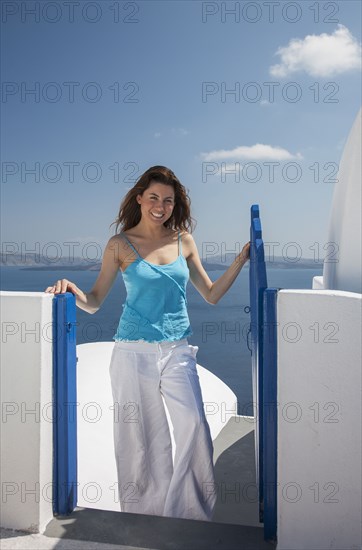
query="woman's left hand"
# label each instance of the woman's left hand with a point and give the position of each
(245, 253)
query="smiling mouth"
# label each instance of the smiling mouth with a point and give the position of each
(157, 217)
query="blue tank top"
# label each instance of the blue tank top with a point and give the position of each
(155, 308)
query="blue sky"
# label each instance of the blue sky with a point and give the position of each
(172, 64)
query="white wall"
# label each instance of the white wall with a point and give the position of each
(342, 268)
(317, 283)
(319, 420)
(26, 386)
(27, 438)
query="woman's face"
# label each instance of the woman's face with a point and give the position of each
(157, 202)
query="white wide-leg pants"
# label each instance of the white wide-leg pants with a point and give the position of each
(148, 480)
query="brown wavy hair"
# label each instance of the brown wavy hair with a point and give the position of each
(130, 211)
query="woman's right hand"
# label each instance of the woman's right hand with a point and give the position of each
(85, 301)
(62, 286)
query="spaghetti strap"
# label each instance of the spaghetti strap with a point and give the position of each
(130, 244)
(133, 248)
(180, 244)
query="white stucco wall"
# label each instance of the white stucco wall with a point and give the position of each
(26, 397)
(27, 436)
(319, 420)
(342, 267)
(317, 283)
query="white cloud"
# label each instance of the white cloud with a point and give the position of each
(320, 55)
(157, 134)
(255, 152)
(264, 102)
(231, 167)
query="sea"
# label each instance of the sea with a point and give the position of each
(218, 330)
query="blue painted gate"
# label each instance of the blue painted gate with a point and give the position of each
(64, 405)
(264, 379)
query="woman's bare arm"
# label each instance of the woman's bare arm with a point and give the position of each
(212, 291)
(92, 301)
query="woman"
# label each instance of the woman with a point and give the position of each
(151, 356)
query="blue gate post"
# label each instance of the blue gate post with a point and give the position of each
(65, 492)
(270, 416)
(257, 285)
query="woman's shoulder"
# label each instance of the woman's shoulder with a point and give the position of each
(118, 238)
(186, 236)
(119, 244)
(188, 243)
(124, 237)
(182, 233)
